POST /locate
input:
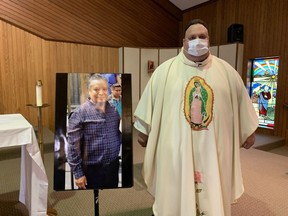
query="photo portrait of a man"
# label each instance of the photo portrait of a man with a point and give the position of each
(94, 139)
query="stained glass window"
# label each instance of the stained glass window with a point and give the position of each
(264, 74)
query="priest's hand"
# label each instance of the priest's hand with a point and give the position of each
(142, 139)
(249, 141)
(81, 182)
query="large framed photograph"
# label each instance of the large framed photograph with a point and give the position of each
(93, 131)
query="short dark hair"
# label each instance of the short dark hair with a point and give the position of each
(115, 85)
(193, 22)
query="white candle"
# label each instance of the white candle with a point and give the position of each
(39, 93)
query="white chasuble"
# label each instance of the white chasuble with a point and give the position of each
(197, 117)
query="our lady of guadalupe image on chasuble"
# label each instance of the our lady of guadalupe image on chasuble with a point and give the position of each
(198, 103)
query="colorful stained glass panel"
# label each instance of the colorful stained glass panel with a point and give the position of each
(263, 89)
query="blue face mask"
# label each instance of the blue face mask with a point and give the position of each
(198, 47)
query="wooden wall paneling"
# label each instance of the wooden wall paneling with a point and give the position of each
(91, 61)
(121, 60)
(170, 7)
(47, 20)
(76, 58)
(3, 38)
(206, 12)
(16, 72)
(49, 69)
(21, 68)
(27, 18)
(94, 13)
(18, 48)
(100, 60)
(22, 62)
(147, 28)
(59, 57)
(67, 20)
(284, 75)
(281, 114)
(113, 59)
(259, 42)
(225, 20)
(12, 76)
(279, 45)
(147, 55)
(34, 72)
(97, 60)
(86, 58)
(6, 80)
(132, 66)
(91, 22)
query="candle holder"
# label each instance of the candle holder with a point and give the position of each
(39, 127)
(50, 211)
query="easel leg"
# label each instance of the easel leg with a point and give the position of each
(96, 202)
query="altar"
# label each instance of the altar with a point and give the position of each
(15, 130)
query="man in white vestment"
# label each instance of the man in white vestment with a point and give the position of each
(194, 115)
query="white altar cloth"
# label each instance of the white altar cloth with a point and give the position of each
(15, 130)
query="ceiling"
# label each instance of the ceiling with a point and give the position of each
(186, 4)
